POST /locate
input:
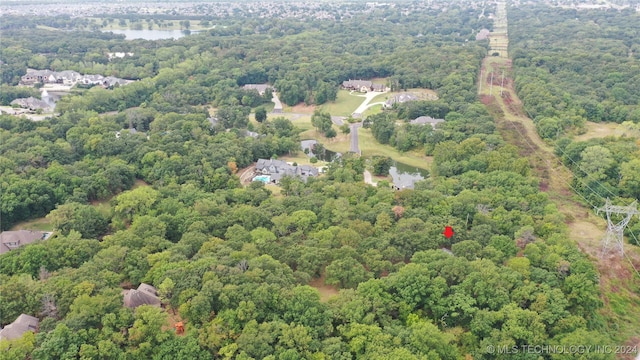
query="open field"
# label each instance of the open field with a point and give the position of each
(600, 130)
(370, 147)
(344, 105)
(40, 224)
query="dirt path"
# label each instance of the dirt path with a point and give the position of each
(617, 279)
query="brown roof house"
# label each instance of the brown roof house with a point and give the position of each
(144, 295)
(11, 240)
(21, 325)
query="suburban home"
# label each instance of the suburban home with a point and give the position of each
(277, 169)
(362, 86)
(261, 88)
(131, 131)
(145, 294)
(32, 104)
(21, 325)
(70, 78)
(424, 120)
(11, 240)
(118, 55)
(399, 99)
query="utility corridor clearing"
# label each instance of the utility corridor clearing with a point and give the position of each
(497, 91)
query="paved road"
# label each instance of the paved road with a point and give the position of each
(367, 98)
(354, 138)
(277, 109)
(338, 120)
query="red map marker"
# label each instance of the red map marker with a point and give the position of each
(448, 232)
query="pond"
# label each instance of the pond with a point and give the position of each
(404, 176)
(323, 155)
(152, 34)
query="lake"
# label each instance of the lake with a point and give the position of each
(151, 34)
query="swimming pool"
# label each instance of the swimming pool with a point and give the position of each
(264, 178)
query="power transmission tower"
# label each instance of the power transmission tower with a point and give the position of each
(615, 230)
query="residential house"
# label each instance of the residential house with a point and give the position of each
(36, 76)
(145, 294)
(362, 86)
(261, 88)
(70, 78)
(424, 120)
(32, 104)
(399, 99)
(277, 169)
(21, 325)
(11, 240)
(118, 55)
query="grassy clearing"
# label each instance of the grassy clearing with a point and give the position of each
(301, 159)
(39, 224)
(376, 109)
(600, 130)
(326, 291)
(371, 147)
(344, 105)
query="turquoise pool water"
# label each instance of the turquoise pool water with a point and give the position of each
(264, 178)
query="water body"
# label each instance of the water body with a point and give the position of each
(51, 97)
(405, 176)
(326, 155)
(152, 34)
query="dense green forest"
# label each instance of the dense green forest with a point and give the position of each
(575, 66)
(571, 66)
(238, 264)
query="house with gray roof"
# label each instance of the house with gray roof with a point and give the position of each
(399, 99)
(362, 86)
(277, 169)
(11, 240)
(145, 294)
(21, 325)
(32, 104)
(426, 120)
(261, 88)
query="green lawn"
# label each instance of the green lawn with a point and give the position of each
(344, 105)
(370, 147)
(381, 97)
(39, 224)
(376, 109)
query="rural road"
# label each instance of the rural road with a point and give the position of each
(354, 138)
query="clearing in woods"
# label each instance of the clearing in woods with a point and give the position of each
(619, 286)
